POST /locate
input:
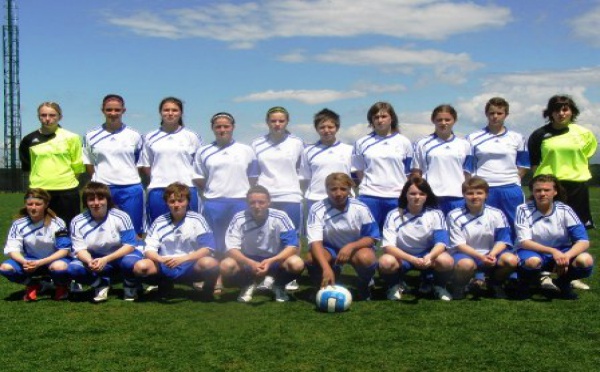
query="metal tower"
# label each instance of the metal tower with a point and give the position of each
(12, 96)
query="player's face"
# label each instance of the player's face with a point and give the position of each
(48, 118)
(475, 199)
(98, 206)
(277, 123)
(259, 205)
(113, 111)
(36, 209)
(338, 194)
(223, 130)
(327, 131)
(382, 123)
(170, 114)
(562, 116)
(178, 206)
(416, 198)
(444, 122)
(496, 116)
(543, 193)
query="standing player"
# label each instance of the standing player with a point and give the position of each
(444, 159)
(38, 244)
(481, 237)
(326, 156)
(278, 155)
(382, 160)
(551, 236)
(415, 237)
(111, 153)
(261, 241)
(53, 158)
(168, 156)
(103, 244)
(500, 158)
(179, 245)
(341, 230)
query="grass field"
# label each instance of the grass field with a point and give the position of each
(186, 334)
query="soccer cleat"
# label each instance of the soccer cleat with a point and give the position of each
(46, 286)
(246, 293)
(394, 293)
(31, 292)
(442, 293)
(61, 293)
(425, 287)
(151, 288)
(547, 284)
(280, 295)
(75, 287)
(566, 291)
(101, 294)
(476, 287)
(130, 293)
(578, 284)
(499, 291)
(292, 286)
(266, 284)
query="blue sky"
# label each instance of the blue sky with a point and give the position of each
(246, 56)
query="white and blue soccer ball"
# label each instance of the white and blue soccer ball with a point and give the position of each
(333, 299)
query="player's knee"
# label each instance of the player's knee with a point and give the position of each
(444, 262)
(533, 263)
(58, 266)
(388, 264)
(465, 265)
(206, 263)
(228, 267)
(584, 260)
(6, 267)
(294, 264)
(142, 267)
(509, 260)
(364, 257)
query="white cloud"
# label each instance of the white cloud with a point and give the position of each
(317, 96)
(588, 26)
(242, 25)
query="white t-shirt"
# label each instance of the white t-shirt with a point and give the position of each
(480, 232)
(319, 161)
(104, 237)
(415, 234)
(36, 240)
(189, 235)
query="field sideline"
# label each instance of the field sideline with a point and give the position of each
(185, 334)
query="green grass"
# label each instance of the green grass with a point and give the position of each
(186, 334)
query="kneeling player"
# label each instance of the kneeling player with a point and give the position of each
(341, 230)
(261, 241)
(481, 235)
(179, 245)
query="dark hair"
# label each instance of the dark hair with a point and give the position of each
(258, 189)
(383, 106)
(222, 115)
(416, 179)
(174, 100)
(112, 97)
(45, 196)
(475, 182)
(556, 103)
(276, 109)
(498, 102)
(444, 108)
(97, 189)
(561, 194)
(177, 189)
(325, 115)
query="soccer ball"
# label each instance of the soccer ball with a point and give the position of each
(333, 299)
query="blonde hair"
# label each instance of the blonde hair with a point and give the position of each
(53, 105)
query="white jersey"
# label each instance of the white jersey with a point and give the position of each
(337, 228)
(278, 164)
(262, 240)
(113, 155)
(226, 169)
(189, 235)
(561, 229)
(319, 161)
(36, 240)
(384, 161)
(415, 234)
(497, 157)
(170, 156)
(480, 232)
(104, 237)
(443, 163)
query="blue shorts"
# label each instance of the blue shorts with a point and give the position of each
(480, 266)
(379, 207)
(156, 205)
(218, 213)
(294, 212)
(183, 273)
(548, 262)
(506, 198)
(41, 271)
(448, 203)
(407, 266)
(130, 199)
